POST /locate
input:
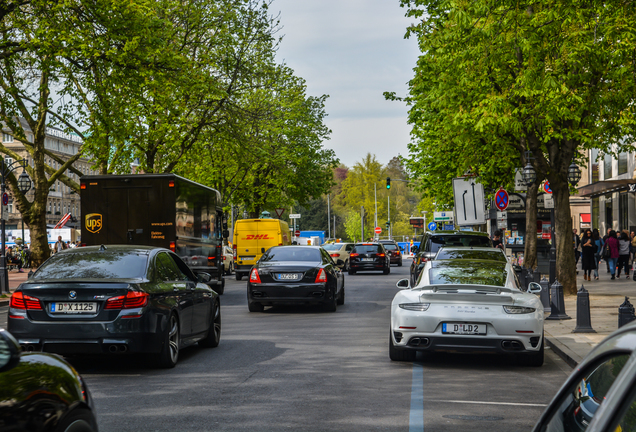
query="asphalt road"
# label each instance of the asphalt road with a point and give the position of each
(302, 369)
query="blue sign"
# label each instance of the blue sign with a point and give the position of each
(432, 226)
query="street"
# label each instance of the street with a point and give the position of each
(299, 368)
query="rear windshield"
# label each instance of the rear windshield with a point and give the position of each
(293, 253)
(495, 254)
(332, 246)
(461, 272)
(93, 265)
(390, 246)
(459, 240)
(367, 249)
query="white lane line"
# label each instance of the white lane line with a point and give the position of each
(416, 416)
(490, 403)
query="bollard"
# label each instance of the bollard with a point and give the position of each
(557, 304)
(625, 313)
(545, 295)
(583, 318)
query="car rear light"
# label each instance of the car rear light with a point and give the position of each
(321, 277)
(20, 300)
(397, 252)
(353, 255)
(379, 255)
(83, 186)
(254, 277)
(223, 257)
(173, 246)
(334, 255)
(132, 299)
(171, 183)
(234, 252)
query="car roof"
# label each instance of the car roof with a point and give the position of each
(458, 232)
(114, 248)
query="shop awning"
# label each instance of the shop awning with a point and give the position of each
(586, 217)
(605, 186)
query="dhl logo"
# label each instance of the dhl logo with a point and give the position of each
(93, 222)
(258, 237)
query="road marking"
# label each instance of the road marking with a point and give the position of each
(488, 403)
(416, 417)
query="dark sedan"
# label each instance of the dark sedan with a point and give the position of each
(295, 275)
(41, 392)
(369, 256)
(115, 299)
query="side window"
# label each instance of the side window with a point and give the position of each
(180, 268)
(349, 248)
(326, 259)
(627, 419)
(166, 269)
(577, 409)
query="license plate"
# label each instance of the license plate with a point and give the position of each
(463, 329)
(74, 307)
(287, 276)
(247, 258)
(368, 259)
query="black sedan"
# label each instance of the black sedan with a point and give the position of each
(295, 275)
(115, 299)
(41, 392)
(369, 256)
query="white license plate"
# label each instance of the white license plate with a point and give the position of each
(288, 276)
(368, 259)
(74, 307)
(463, 329)
(247, 258)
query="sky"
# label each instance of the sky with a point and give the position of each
(353, 51)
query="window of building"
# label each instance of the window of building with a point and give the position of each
(623, 220)
(609, 212)
(622, 163)
(7, 138)
(607, 167)
(596, 213)
(594, 166)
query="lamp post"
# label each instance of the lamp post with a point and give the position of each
(24, 185)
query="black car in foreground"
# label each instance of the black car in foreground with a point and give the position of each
(295, 275)
(41, 392)
(369, 256)
(115, 299)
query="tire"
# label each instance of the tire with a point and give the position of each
(255, 307)
(238, 276)
(399, 355)
(400, 263)
(231, 268)
(78, 420)
(341, 297)
(535, 359)
(214, 330)
(170, 351)
(331, 305)
(351, 271)
(387, 270)
(346, 267)
(220, 289)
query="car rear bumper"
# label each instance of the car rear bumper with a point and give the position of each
(270, 294)
(468, 344)
(367, 266)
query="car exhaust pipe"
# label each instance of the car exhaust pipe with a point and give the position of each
(416, 341)
(123, 348)
(317, 294)
(112, 348)
(512, 345)
(23, 347)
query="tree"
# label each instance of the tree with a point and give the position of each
(551, 77)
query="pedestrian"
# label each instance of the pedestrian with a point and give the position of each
(576, 241)
(612, 244)
(14, 258)
(605, 237)
(599, 243)
(59, 245)
(588, 249)
(496, 240)
(623, 254)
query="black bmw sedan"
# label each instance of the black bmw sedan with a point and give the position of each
(115, 299)
(41, 392)
(295, 275)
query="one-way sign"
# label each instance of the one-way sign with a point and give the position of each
(469, 202)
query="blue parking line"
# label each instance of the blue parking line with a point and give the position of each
(416, 417)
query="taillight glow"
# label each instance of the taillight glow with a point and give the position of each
(132, 299)
(380, 255)
(321, 277)
(354, 255)
(334, 255)
(171, 183)
(234, 252)
(83, 186)
(173, 246)
(23, 301)
(254, 277)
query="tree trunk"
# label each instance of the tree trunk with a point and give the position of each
(530, 252)
(565, 263)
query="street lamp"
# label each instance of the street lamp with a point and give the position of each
(24, 185)
(529, 174)
(574, 174)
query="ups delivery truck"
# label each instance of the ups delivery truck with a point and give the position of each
(162, 210)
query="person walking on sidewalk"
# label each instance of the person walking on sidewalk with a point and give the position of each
(605, 237)
(599, 243)
(588, 248)
(623, 254)
(612, 243)
(576, 242)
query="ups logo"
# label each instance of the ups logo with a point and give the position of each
(93, 222)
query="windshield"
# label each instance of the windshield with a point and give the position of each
(461, 272)
(293, 253)
(390, 246)
(459, 240)
(367, 249)
(495, 254)
(332, 246)
(93, 265)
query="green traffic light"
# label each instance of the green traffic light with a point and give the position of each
(388, 182)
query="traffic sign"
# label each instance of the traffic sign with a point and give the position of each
(294, 216)
(443, 216)
(297, 233)
(5, 198)
(469, 202)
(546, 187)
(378, 230)
(279, 212)
(502, 199)
(548, 202)
(432, 226)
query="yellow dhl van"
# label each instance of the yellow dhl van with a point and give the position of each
(252, 237)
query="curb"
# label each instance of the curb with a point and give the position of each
(562, 351)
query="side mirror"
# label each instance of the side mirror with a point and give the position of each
(414, 250)
(9, 351)
(226, 233)
(204, 277)
(30, 274)
(534, 288)
(403, 284)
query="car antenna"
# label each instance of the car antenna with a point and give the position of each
(102, 248)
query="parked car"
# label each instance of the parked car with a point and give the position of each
(431, 241)
(339, 251)
(599, 395)
(392, 248)
(467, 306)
(228, 260)
(295, 275)
(471, 253)
(115, 299)
(369, 256)
(41, 392)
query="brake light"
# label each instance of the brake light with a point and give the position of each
(354, 255)
(83, 186)
(171, 183)
(321, 277)
(254, 277)
(223, 257)
(380, 255)
(23, 301)
(335, 255)
(173, 246)
(396, 252)
(132, 299)
(234, 252)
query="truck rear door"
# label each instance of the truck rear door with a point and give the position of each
(247, 247)
(127, 210)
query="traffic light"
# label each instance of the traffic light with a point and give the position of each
(388, 224)
(388, 182)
